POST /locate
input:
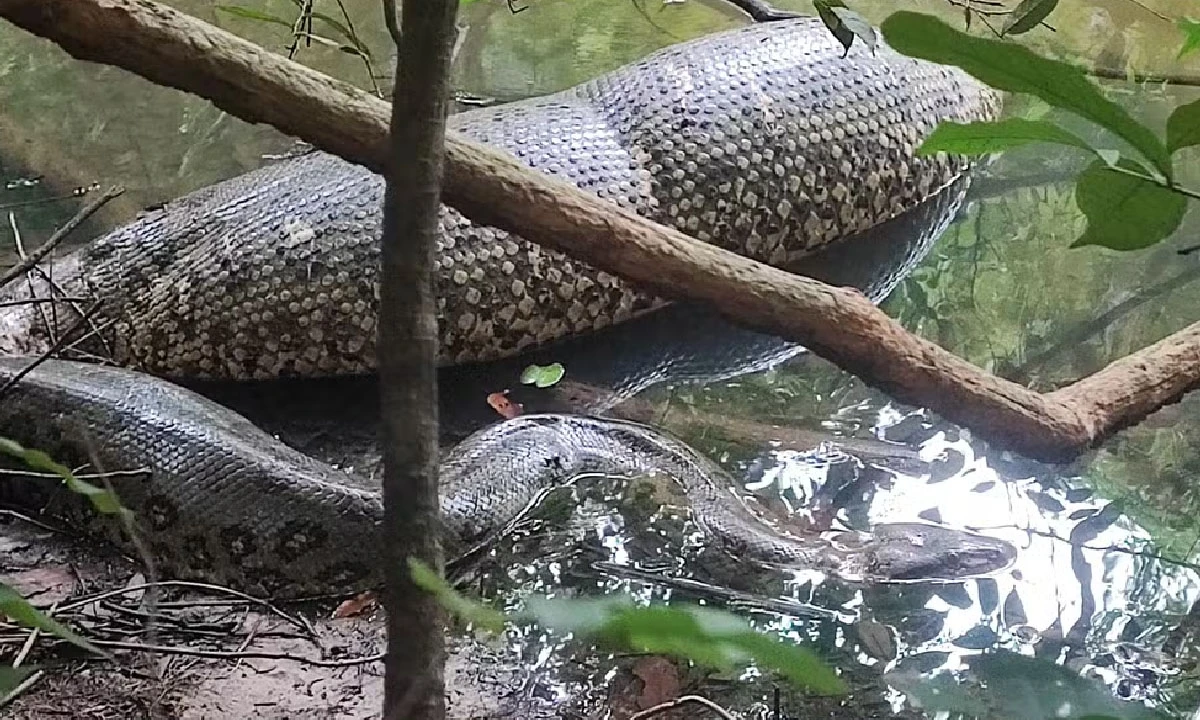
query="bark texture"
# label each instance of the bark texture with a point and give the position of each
(414, 687)
(490, 187)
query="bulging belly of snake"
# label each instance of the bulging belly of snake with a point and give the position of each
(764, 140)
(218, 499)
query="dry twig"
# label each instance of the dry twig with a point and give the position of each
(61, 234)
(681, 701)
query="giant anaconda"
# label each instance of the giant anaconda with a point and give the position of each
(763, 140)
(226, 502)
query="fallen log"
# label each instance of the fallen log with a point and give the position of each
(839, 324)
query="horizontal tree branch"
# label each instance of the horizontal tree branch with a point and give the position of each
(839, 324)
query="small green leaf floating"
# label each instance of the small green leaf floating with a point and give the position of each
(18, 609)
(543, 377)
(845, 24)
(1124, 212)
(1014, 68)
(982, 138)
(1191, 36)
(1028, 15)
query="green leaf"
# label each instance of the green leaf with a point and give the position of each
(703, 635)
(11, 678)
(1028, 15)
(473, 612)
(1013, 68)
(1112, 158)
(982, 138)
(857, 24)
(1191, 35)
(1125, 212)
(1015, 686)
(104, 501)
(543, 377)
(253, 15)
(845, 24)
(1183, 127)
(17, 609)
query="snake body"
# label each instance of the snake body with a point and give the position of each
(218, 499)
(763, 140)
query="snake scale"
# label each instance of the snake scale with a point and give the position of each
(763, 140)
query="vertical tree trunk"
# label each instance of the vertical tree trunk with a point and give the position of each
(413, 687)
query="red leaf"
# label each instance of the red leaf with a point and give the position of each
(501, 404)
(360, 604)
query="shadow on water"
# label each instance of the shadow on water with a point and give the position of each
(1100, 583)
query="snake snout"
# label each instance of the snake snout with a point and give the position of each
(921, 552)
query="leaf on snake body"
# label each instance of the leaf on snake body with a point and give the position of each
(1125, 212)
(1014, 68)
(982, 138)
(1183, 127)
(543, 377)
(18, 610)
(833, 23)
(1191, 36)
(104, 501)
(857, 24)
(252, 14)
(1028, 15)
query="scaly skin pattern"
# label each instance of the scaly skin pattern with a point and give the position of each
(763, 140)
(217, 499)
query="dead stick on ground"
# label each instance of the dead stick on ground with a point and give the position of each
(680, 702)
(490, 187)
(60, 235)
(296, 620)
(231, 655)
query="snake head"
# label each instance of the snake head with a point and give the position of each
(914, 552)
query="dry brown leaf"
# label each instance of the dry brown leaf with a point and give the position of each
(360, 604)
(501, 404)
(660, 681)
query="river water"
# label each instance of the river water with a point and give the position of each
(1103, 582)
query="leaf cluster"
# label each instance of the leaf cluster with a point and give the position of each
(1128, 193)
